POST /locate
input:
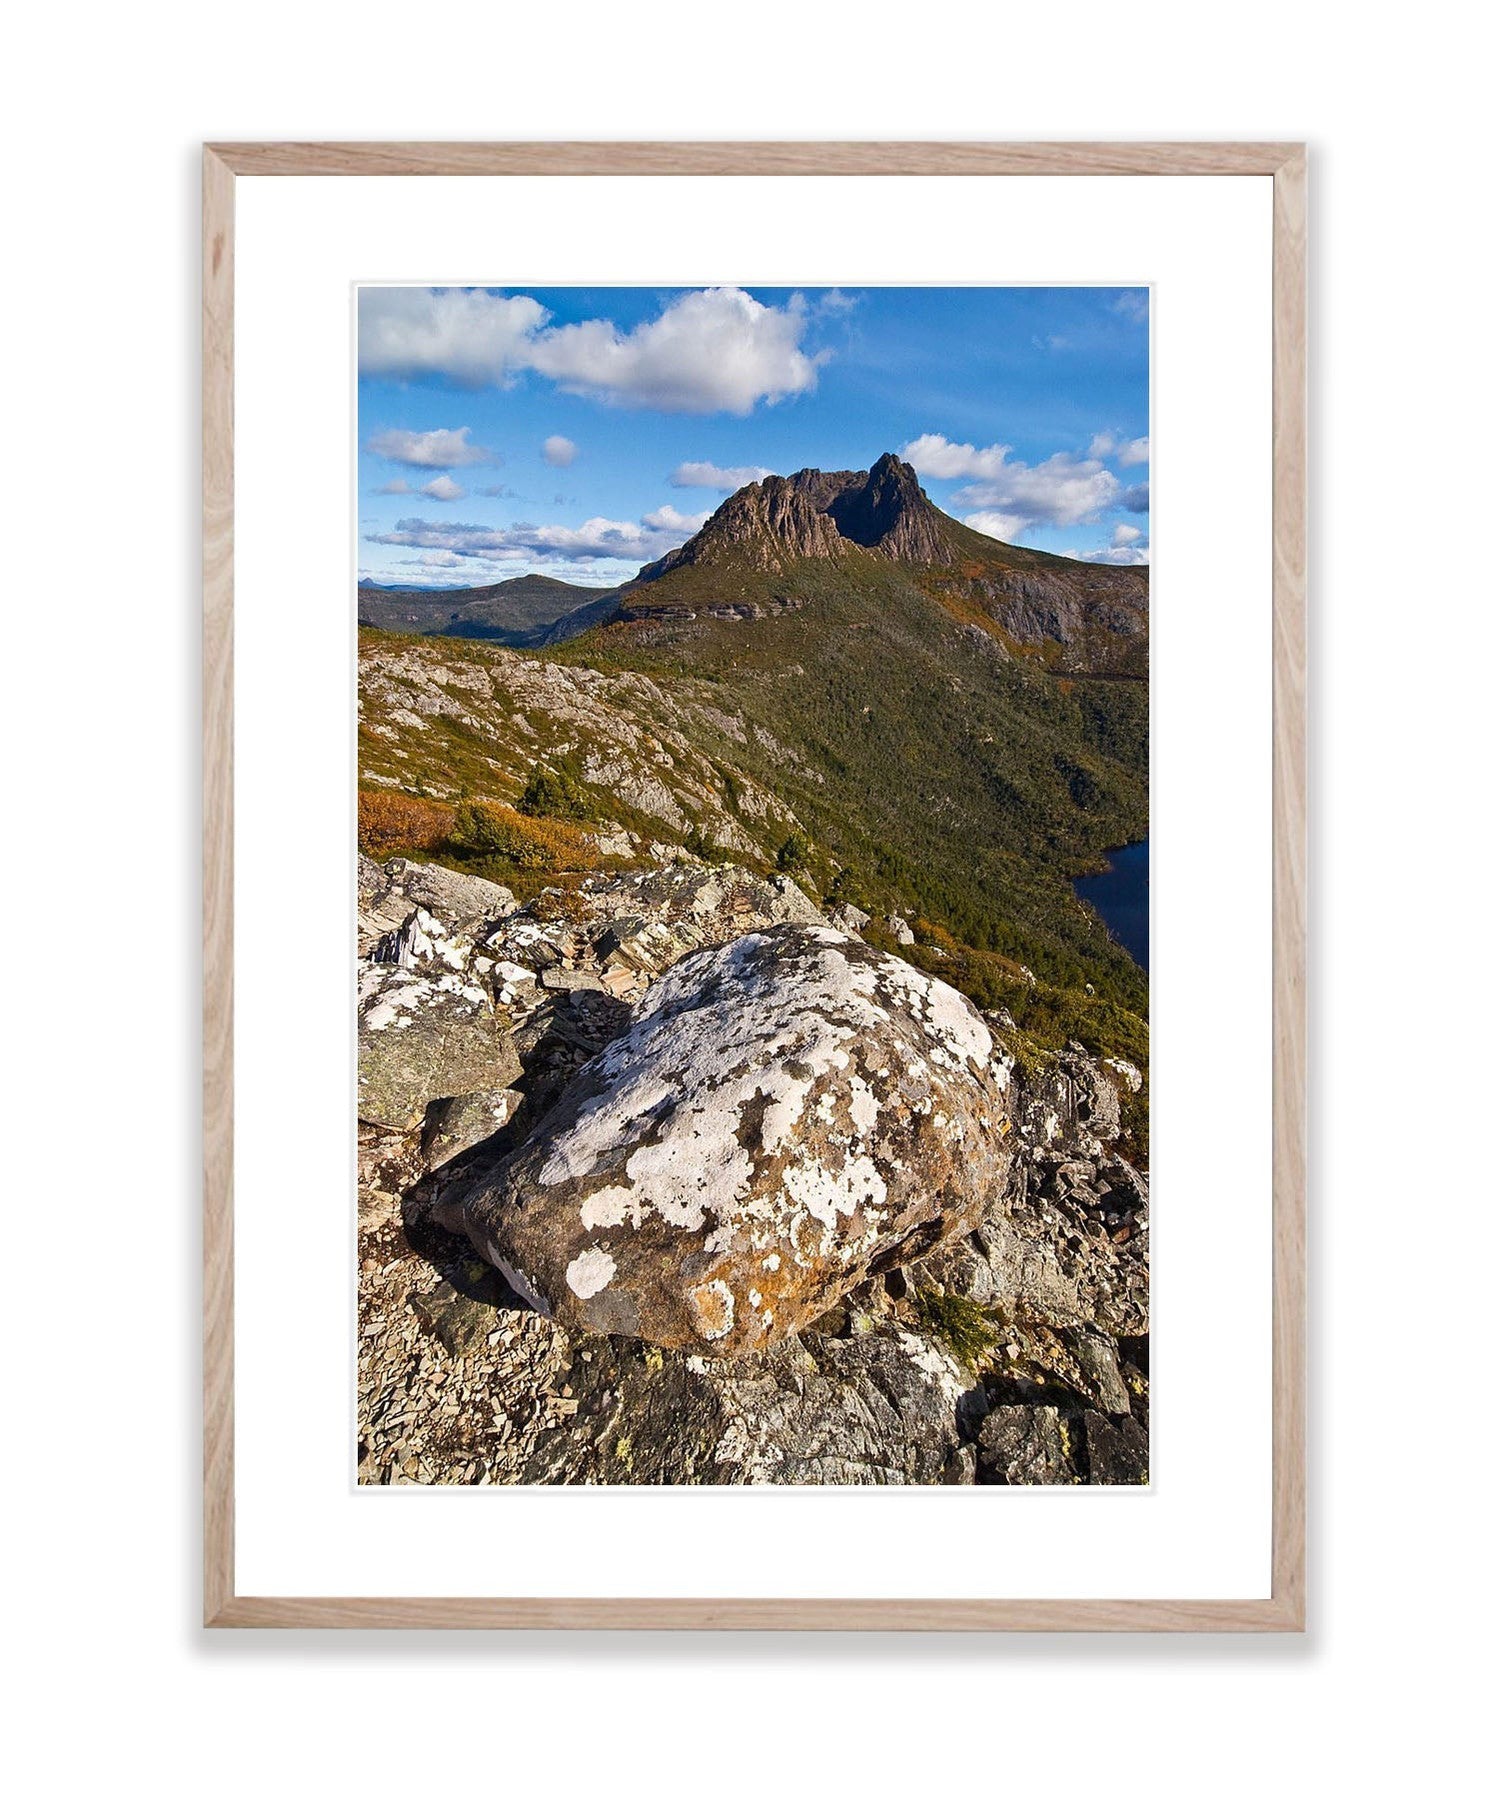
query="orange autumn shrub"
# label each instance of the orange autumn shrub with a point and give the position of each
(488, 833)
(400, 824)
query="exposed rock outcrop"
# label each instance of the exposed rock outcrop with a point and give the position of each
(657, 745)
(889, 512)
(764, 525)
(390, 893)
(422, 1039)
(989, 1324)
(884, 1409)
(814, 515)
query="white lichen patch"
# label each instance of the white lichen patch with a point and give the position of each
(590, 1272)
(610, 1206)
(863, 1107)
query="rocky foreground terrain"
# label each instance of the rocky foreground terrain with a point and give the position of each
(671, 1178)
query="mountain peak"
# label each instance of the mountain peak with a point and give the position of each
(817, 514)
(890, 513)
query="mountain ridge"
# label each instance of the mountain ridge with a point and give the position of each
(524, 612)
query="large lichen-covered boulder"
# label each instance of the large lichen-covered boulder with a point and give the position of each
(422, 1039)
(785, 1115)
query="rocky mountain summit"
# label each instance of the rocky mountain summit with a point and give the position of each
(666, 1177)
(773, 543)
(817, 514)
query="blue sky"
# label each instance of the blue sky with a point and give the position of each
(580, 432)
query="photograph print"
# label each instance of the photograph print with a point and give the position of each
(753, 886)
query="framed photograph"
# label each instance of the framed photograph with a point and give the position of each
(754, 885)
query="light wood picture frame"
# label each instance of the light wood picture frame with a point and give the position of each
(1285, 164)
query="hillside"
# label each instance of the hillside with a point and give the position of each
(787, 695)
(525, 613)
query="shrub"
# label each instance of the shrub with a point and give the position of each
(399, 824)
(793, 853)
(698, 843)
(962, 1324)
(555, 793)
(488, 833)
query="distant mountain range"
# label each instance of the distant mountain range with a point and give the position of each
(528, 612)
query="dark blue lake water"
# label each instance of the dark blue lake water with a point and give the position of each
(1121, 897)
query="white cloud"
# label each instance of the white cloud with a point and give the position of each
(428, 449)
(1128, 548)
(595, 540)
(1127, 452)
(715, 350)
(559, 452)
(667, 518)
(709, 474)
(472, 337)
(1134, 305)
(1060, 491)
(933, 455)
(710, 350)
(1006, 526)
(1136, 498)
(1063, 490)
(444, 488)
(395, 486)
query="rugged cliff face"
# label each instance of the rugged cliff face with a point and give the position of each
(910, 1254)
(815, 515)
(888, 511)
(767, 526)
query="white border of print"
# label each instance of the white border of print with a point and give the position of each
(1202, 1529)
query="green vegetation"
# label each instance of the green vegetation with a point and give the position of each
(793, 853)
(698, 843)
(486, 839)
(962, 1324)
(556, 792)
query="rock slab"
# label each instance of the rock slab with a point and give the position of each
(421, 1040)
